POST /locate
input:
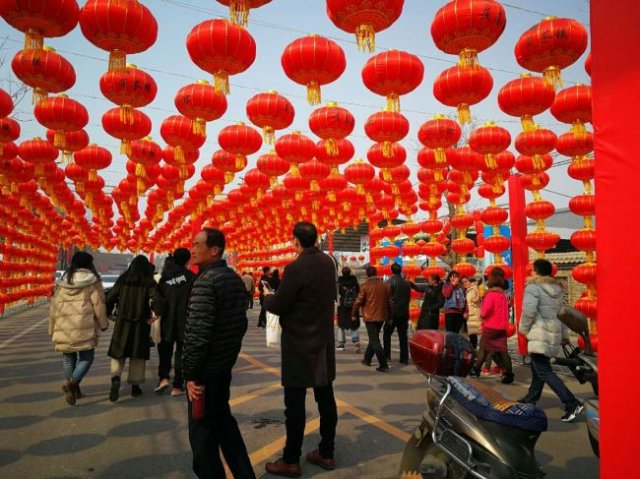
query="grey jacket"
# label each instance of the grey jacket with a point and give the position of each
(543, 297)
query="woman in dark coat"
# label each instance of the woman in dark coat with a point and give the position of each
(348, 289)
(135, 295)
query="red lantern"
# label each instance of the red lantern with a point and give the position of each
(532, 165)
(439, 134)
(257, 180)
(465, 270)
(540, 210)
(587, 64)
(494, 216)
(129, 88)
(489, 140)
(386, 127)
(583, 205)
(221, 49)
(377, 158)
(145, 154)
(331, 123)
(359, 173)
(570, 144)
(391, 74)
(313, 61)
(40, 18)
(550, 46)
(467, 27)
(9, 130)
(270, 111)
(272, 165)
(585, 273)
(61, 114)
(178, 131)
(121, 27)
(92, 158)
(240, 139)
(38, 152)
(295, 148)
(538, 141)
(364, 18)
(344, 148)
(43, 70)
(462, 87)
(73, 141)
(582, 169)
(496, 244)
(201, 103)
(573, 106)
(526, 97)
(239, 9)
(314, 171)
(584, 240)
(542, 241)
(6, 104)
(125, 132)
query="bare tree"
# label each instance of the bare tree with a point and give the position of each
(8, 82)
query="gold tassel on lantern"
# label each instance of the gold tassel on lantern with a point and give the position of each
(239, 12)
(314, 96)
(221, 82)
(386, 175)
(393, 103)
(228, 177)
(33, 40)
(315, 186)
(199, 127)
(553, 77)
(38, 95)
(240, 162)
(490, 161)
(387, 149)
(117, 60)
(366, 38)
(125, 147)
(331, 147)
(93, 175)
(141, 172)
(577, 128)
(464, 114)
(527, 123)
(269, 135)
(126, 114)
(468, 57)
(60, 139)
(441, 156)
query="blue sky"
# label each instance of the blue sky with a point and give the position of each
(273, 27)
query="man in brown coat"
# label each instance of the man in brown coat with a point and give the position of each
(305, 303)
(375, 300)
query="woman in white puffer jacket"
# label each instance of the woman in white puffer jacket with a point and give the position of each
(76, 316)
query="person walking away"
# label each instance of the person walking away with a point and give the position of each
(136, 296)
(432, 302)
(348, 289)
(262, 317)
(543, 297)
(454, 303)
(305, 303)
(250, 285)
(375, 301)
(495, 323)
(76, 315)
(175, 287)
(216, 323)
(400, 300)
(473, 311)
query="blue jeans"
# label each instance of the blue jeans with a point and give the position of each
(76, 365)
(542, 373)
(355, 336)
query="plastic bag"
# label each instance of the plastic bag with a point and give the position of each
(273, 331)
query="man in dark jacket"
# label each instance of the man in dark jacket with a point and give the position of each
(400, 300)
(216, 323)
(262, 317)
(348, 289)
(432, 301)
(175, 287)
(305, 302)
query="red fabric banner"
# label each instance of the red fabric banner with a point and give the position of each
(519, 251)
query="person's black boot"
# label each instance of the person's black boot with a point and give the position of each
(508, 378)
(114, 394)
(136, 391)
(475, 372)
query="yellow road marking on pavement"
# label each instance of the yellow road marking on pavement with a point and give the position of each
(260, 364)
(270, 449)
(246, 367)
(254, 394)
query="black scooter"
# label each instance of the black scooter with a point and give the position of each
(469, 430)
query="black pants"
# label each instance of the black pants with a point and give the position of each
(218, 431)
(262, 317)
(429, 321)
(453, 322)
(473, 339)
(250, 300)
(295, 413)
(374, 346)
(402, 324)
(541, 374)
(165, 352)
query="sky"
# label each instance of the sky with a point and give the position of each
(274, 26)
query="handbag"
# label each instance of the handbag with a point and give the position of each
(274, 331)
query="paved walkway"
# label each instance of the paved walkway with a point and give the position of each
(42, 437)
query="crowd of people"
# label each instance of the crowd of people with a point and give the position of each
(203, 319)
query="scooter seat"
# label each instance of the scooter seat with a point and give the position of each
(488, 404)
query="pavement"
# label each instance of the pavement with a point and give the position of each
(146, 437)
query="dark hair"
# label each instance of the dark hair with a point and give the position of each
(265, 269)
(495, 281)
(214, 238)
(306, 233)
(139, 272)
(346, 271)
(275, 274)
(396, 268)
(80, 260)
(543, 267)
(181, 256)
(473, 280)
(435, 277)
(451, 274)
(497, 272)
(168, 265)
(371, 271)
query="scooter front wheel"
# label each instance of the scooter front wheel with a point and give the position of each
(423, 459)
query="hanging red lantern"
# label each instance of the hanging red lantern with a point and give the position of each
(377, 158)
(583, 205)
(496, 244)
(221, 49)
(38, 152)
(295, 148)
(585, 273)
(272, 165)
(538, 141)
(73, 141)
(313, 61)
(9, 131)
(40, 18)
(331, 123)
(92, 158)
(61, 114)
(587, 64)
(178, 131)
(126, 132)
(270, 111)
(439, 133)
(201, 103)
(462, 87)
(345, 151)
(573, 106)
(526, 97)
(146, 154)
(386, 127)
(541, 240)
(494, 215)
(489, 140)
(229, 163)
(539, 210)
(129, 88)
(582, 169)
(214, 176)
(257, 181)
(359, 173)
(364, 18)
(6, 104)
(43, 70)
(332, 184)
(314, 171)
(297, 184)
(467, 27)
(391, 74)
(122, 28)
(239, 9)
(240, 139)
(550, 46)
(530, 165)
(584, 240)
(570, 144)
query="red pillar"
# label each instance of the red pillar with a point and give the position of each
(519, 250)
(615, 34)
